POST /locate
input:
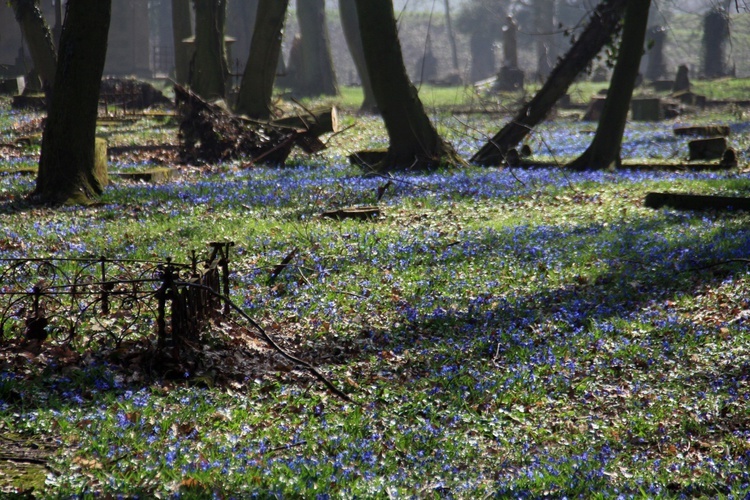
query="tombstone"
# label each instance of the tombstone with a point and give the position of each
(648, 109)
(707, 149)
(715, 38)
(427, 66)
(656, 68)
(681, 81)
(510, 43)
(510, 77)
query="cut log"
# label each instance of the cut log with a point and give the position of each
(707, 149)
(696, 202)
(704, 131)
(317, 122)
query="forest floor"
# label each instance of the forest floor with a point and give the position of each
(500, 332)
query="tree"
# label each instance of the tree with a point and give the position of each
(350, 26)
(209, 69)
(256, 89)
(599, 31)
(604, 150)
(240, 25)
(315, 76)
(414, 142)
(38, 37)
(66, 166)
(182, 29)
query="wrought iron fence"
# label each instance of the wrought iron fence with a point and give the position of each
(102, 301)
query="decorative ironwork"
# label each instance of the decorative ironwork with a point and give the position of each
(105, 301)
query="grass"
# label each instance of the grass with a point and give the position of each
(508, 333)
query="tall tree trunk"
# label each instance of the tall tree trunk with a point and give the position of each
(66, 166)
(39, 39)
(350, 26)
(600, 30)
(604, 150)
(240, 25)
(316, 76)
(209, 69)
(182, 29)
(451, 35)
(256, 88)
(414, 142)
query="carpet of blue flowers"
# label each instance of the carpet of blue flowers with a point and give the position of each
(512, 333)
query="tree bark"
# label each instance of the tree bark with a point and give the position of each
(316, 76)
(256, 88)
(209, 69)
(599, 31)
(414, 142)
(39, 40)
(604, 150)
(544, 13)
(451, 35)
(350, 26)
(182, 29)
(66, 166)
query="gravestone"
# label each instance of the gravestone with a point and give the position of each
(655, 67)
(682, 80)
(510, 76)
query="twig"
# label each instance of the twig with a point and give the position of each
(716, 264)
(283, 265)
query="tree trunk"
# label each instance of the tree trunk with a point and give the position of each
(451, 35)
(350, 26)
(38, 37)
(316, 76)
(414, 142)
(209, 70)
(256, 88)
(482, 56)
(67, 167)
(241, 25)
(604, 150)
(182, 29)
(599, 31)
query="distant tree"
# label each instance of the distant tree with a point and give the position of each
(66, 166)
(315, 75)
(600, 30)
(182, 30)
(353, 36)
(256, 89)
(39, 40)
(209, 69)
(413, 140)
(604, 150)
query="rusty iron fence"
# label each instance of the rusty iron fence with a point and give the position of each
(104, 302)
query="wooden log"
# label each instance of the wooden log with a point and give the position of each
(707, 149)
(696, 202)
(704, 131)
(317, 122)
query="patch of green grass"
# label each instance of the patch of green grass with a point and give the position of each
(503, 332)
